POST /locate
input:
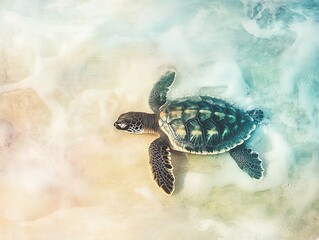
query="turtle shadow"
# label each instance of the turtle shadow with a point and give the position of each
(180, 163)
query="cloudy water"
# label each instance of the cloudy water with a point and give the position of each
(69, 68)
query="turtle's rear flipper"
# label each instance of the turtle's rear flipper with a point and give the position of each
(257, 115)
(161, 164)
(248, 161)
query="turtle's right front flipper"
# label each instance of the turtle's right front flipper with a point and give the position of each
(161, 164)
(248, 161)
(159, 92)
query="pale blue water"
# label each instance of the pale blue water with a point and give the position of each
(69, 68)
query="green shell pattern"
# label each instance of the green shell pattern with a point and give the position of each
(204, 124)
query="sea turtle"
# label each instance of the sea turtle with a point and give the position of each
(198, 124)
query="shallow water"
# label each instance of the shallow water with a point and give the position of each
(69, 68)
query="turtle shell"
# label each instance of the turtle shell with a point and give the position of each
(204, 124)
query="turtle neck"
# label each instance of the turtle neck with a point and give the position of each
(150, 123)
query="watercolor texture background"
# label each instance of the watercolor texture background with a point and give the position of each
(69, 68)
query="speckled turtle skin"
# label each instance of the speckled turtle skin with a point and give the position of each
(204, 124)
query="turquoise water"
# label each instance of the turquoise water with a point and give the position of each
(69, 68)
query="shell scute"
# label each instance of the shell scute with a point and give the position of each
(195, 132)
(174, 114)
(204, 114)
(179, 129)
(189, 113)
(211, 133)
(230, 118)
(218, 116)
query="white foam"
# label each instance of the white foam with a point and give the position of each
(252, 28)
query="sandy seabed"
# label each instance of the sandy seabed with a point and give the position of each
(69, 68)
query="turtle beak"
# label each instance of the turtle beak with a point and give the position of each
(116, 125)
(121, 125)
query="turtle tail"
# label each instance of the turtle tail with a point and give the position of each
(257, 115)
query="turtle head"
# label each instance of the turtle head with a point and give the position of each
(131, 122)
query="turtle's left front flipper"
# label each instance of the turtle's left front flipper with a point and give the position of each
(248, 161)
(159, 92)
(161, 164)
